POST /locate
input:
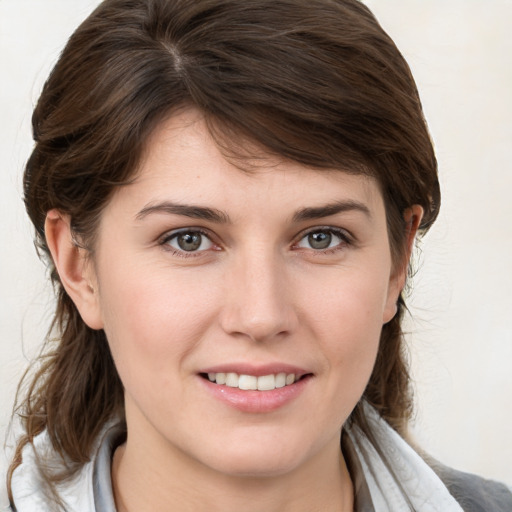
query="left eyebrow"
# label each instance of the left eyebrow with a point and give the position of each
(319, 212)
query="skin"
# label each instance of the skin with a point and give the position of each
(255, 292)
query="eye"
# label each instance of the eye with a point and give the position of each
(322, 239)
(188, 241)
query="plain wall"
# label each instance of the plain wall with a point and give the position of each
(461, 333)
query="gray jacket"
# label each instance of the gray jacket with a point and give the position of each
(475, 494)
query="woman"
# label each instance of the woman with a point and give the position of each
(228, 194)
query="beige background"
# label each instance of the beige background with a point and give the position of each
(461, 333)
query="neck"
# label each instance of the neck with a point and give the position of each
(145, 480)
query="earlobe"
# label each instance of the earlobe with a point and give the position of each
(75, 270)
(412, 217)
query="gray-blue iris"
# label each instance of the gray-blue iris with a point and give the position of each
(189, 241)
(320, 239)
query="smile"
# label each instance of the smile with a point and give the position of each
(256, 390)
(252, 382)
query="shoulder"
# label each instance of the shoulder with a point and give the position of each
(88, 488)
(38, 483)
(474, 493)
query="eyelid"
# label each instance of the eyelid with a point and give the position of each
(342, 232)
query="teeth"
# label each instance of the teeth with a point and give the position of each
(281, 380)
(232, 380)
(251, 382)
(248, 382)
(266, 382)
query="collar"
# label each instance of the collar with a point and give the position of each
(388, 475)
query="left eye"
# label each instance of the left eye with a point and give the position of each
(189, 241)
(321, 239)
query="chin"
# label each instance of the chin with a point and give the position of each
(254, 462)
(262, 468)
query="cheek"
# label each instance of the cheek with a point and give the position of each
(347, 319)
(151, 319)
(349, 302)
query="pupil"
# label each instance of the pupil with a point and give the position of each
(189, 241)
(320, 240)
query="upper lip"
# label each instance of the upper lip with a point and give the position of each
(256, 370)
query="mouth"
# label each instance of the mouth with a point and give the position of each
(255, 389)
(247, 382)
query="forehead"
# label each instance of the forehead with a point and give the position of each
(182, 162)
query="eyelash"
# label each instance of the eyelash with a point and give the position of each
(165, 239)
(345, 239)
(344, 236)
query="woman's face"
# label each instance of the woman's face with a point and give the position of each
(204, 273)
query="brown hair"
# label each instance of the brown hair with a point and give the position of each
(315, 81)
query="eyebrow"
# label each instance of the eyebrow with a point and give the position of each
(191, 211)
(220, 217)
(319, 212)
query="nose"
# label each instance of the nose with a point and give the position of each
(258, 299)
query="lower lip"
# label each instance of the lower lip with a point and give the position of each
(256, 401)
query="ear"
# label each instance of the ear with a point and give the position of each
(75, 270)
(412, 217)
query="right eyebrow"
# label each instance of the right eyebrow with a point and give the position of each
(186, 210)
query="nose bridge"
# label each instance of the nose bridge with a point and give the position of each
(257, 304)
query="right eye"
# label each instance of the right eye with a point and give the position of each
(188, 241)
